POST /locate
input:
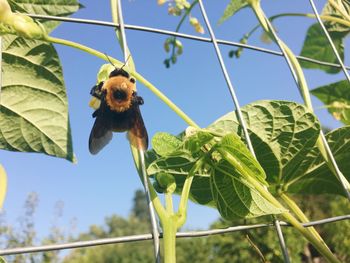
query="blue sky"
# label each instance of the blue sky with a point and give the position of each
(98, 186)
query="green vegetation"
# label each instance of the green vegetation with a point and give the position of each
(253, 246)
(211, 166)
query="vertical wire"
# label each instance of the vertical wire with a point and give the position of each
(335, 51)
(122, 32)
(154, 224)
(281, 240)
(227, 78)
(240, 116)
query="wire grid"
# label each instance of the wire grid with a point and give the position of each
(155, 234)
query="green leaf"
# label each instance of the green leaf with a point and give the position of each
(264, 153)
(288, 128)
(164, 143)
(245, 161)
(61, 8)
(2, 260)
(176, 157)
(3, 185)
(195, 142)
(235, 197)
(336, 97)
(319, 179)
(175, 165)
(233, 7)
(316, 46)
(34, 109)
(329, 10)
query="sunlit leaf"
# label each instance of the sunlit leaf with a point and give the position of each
(264, 153)
(164, 143)
(336, 97)
(232, 143)
(235, 197)
(319, 179)
(233, 7)
(316, 46)
(34, 108)
(290, 131)
(329, 10)
(50, 7)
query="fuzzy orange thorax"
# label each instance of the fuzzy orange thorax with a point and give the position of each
(118, 85)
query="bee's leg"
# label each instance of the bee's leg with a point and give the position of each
(139, 100)
(96, 113)
(96, 90)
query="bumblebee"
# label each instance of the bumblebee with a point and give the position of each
(119, 111)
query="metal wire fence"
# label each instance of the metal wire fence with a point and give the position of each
(156, 234)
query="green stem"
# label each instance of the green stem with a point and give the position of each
(299, 213)
(323, 17)
(169, 203)
(187, 12)
(320, 246)
(141, 79)
(169, 239)
(182, 211)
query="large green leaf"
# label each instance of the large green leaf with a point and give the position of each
(233, 7)
(316, 46)
(336, 97)
(34, 108)
(234, 196)
(289, 130)
(46, 7)
(319, 179)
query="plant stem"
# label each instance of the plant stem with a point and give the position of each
(187, 12)
(299, 213)
(314, 240)
(182, 211)
(169, 239)
(145, 82)
(323, 17)
(169, 203)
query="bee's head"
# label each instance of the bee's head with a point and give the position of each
(118, 92)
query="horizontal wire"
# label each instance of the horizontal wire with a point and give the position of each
(182, 35)
(145, 237)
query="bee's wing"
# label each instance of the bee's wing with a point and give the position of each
(137, 134)
(100, 136)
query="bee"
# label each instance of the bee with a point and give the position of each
(119, 111)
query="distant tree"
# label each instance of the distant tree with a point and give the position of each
(259, 245)
(140, 208)
(25, 235)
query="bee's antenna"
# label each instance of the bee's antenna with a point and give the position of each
(109, 60)
(126, 61)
